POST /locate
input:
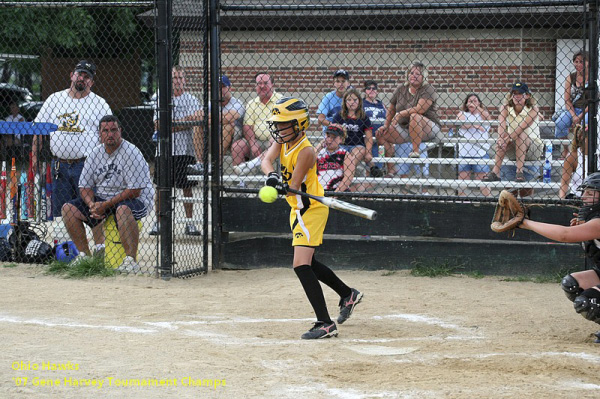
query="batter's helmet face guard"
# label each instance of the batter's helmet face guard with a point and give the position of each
(291, 112)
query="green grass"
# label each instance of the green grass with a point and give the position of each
(551, 278)
(435, 267)
(91, 267)
(10, 265)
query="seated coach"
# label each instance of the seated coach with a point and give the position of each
(115, 181)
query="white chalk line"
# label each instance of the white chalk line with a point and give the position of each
(50, 323)
(402, 355)
(430, 358)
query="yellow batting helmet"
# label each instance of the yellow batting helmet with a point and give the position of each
(288, 109)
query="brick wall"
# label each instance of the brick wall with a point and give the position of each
(485, 61)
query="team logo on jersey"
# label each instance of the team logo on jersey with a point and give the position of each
(68, 122)
(285, 175)
(298, 235)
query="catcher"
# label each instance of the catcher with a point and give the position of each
(582, 288)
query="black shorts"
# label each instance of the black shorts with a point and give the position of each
(180, 164)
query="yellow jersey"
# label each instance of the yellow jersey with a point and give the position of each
(288, 157)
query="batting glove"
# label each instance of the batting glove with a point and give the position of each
(274, 180)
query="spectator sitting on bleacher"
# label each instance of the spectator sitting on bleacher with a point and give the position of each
(232, 117)
(332, 160)
(518, 136)
(473, 113)
(359, 134)
(257, 138)
(576, 99)
(575, 165)
(412, 115)
(331, 104)
(376, 112)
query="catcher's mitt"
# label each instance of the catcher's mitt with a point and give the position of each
(509, 213)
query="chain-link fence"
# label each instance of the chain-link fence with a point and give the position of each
(453, 98)
(449, 99)
(66, 65)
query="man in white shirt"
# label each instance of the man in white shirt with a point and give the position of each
(77, 112)
(186, 108)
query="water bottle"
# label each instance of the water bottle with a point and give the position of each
(548, 163)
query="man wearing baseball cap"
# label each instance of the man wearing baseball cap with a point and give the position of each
(232, 118)
(77, 112)
(332, 102)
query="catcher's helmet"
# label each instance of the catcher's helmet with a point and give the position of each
(591, 182)
(66, 251)
(589, 209)
(288, 109)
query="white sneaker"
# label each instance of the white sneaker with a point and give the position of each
(129, 265)
(99, 251)
(243, 169)
(155, 230)
(197, 169)
(191, 230)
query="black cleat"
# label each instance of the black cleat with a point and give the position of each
(347, 305)
(321, 330)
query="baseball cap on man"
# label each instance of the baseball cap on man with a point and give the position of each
(520, 87)
(343, 73)
(225, 81)
(87, 67)
(335, 130)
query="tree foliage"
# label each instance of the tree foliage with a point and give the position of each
(73, 32)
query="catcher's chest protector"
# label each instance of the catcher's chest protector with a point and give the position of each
(592, 247)
(593, 252)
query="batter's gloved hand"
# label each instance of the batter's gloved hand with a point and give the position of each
(274, 180)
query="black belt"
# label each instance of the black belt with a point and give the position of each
(70, 161)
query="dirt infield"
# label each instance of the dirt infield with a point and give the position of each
(235, 334)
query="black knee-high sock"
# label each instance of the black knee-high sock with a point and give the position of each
(328, 277)
(313, 291)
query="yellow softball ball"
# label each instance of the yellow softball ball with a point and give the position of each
(267, 194)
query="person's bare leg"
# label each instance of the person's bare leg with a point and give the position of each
(464, 175)
(188, 206)
(501, 147)
(128, 231)
(391, 137)
(228, 133)
(73, 220)
(419, 129)
(569, 167)
(484, 190)
(239, 151)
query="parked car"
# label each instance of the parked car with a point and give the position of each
(30, 109)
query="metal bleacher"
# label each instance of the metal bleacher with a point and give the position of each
(444, 155)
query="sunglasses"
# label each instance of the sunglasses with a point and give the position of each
(371, 88)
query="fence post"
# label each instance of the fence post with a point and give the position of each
(164, 58)
(215, 94)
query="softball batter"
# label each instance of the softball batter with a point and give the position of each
(287, 124)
